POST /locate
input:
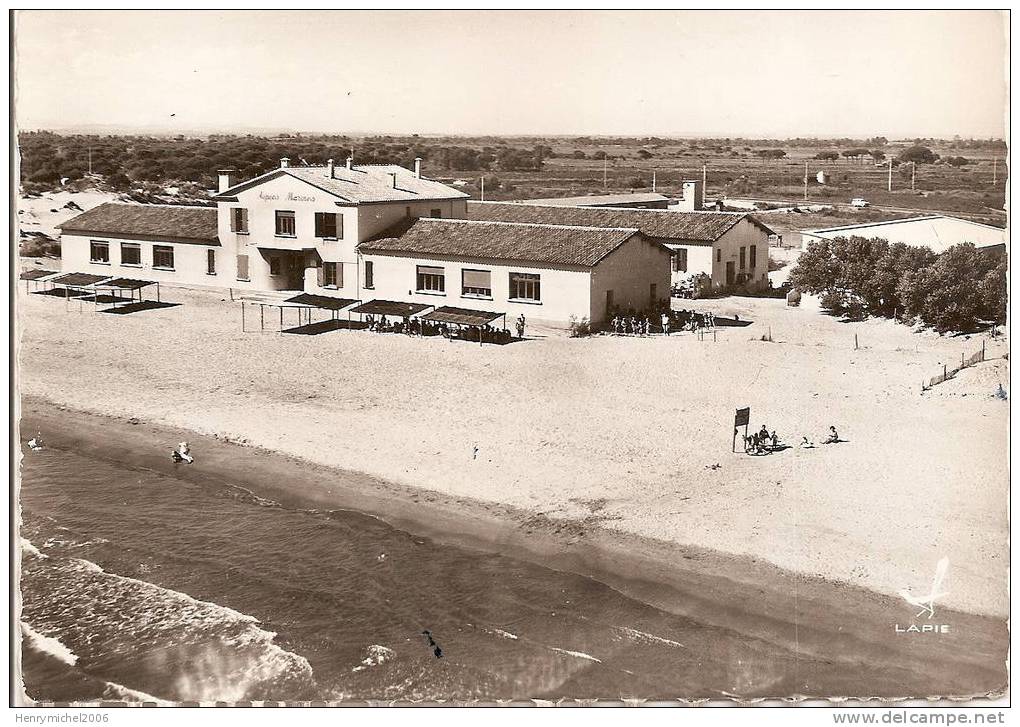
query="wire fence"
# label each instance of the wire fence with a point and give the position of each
(948, 373)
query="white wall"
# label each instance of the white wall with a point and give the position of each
(699, 260)
(727, 248)
(564, 293)
(630, 271)
(189, 261)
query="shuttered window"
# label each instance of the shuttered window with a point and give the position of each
(332, 275)
(327, 225)
(476, 283)
(743, 257)
(242, 267)
(210, 262)
(754, 254)
(163, 257)
(99, 252)
(369, 274)
(239, 220)
(680, 261)
(130, 253)
(285, 226)
(525, 286)
(431, 279)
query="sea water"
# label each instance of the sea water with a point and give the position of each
(144, 586)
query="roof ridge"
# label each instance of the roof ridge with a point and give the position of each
(524, 203)
(876, 223)
(551, 225)
(154, 204)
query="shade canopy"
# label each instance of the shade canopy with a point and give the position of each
(127, 283)
(462, 316)
(75, 280)
(321, 301)
(37, 274)
(390, 308)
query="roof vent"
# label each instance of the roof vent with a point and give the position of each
(284, 163)
(393, 178)
(417, 167)
(329, 168)
(350, 162)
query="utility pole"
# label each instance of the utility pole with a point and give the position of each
(890, 174)
(653, 180)
(704, 178)
(605, 171)
(483, 189)
(90, 161)
(913, 174)
(805, 181)
(995, 171)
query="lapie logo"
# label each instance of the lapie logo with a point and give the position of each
(927, 604)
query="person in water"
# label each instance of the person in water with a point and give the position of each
(36, 443)
(182, 453)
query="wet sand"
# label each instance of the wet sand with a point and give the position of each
(838, 625)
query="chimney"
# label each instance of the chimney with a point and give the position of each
(284, 163)
(228, 178)
(329, 168)
(417, 167)
(393, 177)
(693, 196)
(350, 162)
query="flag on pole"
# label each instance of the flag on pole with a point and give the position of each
(742, 418)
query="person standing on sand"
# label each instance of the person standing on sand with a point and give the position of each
(520, 326)
(665, 324)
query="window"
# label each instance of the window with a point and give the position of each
(327, 225)
(369, 274)
(163, 257)
(718, 254)
(99, 252)
(332, 275)
(242, 267)
(210, 262)
(754, 254)
(239, 220)
(130, 253)
(476, 283)
(525, 286)
(743, 257)
(680, 260)
(431, 280)
(285, 223)
(274, 265)
(437, 213)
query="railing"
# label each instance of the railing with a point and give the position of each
(948, 373)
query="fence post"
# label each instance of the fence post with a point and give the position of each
(944, 374)
(982, 350)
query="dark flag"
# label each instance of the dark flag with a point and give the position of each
(742, 418)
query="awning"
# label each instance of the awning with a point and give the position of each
(37, 274)
(321, 301)
(390, 308)
(79, 280)
(127, 283)
(462, 316)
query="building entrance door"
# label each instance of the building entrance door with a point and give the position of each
(731, 273)
(609, 303)
(295, 272)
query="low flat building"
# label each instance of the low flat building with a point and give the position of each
(731, 248)
(547, 272)
(165, 243)
(938, 232)
(635, 200)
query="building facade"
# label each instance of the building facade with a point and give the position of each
(730, 248)
(164, 243)
(550, 273)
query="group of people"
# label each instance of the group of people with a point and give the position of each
(765, 442)
(663, 321)
(421, 327)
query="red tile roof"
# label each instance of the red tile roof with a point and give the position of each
(175, 223)
(551, 244)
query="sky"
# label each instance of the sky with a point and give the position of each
(709, 73)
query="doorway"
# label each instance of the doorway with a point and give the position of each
(731, 273)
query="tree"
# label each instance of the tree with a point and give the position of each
(827, 156)
(948, 295)
(957, 161)
(918, 154)
(877, 155)
(644, 154)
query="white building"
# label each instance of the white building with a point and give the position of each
(731, 248)
(547, 272)
(937, 232)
